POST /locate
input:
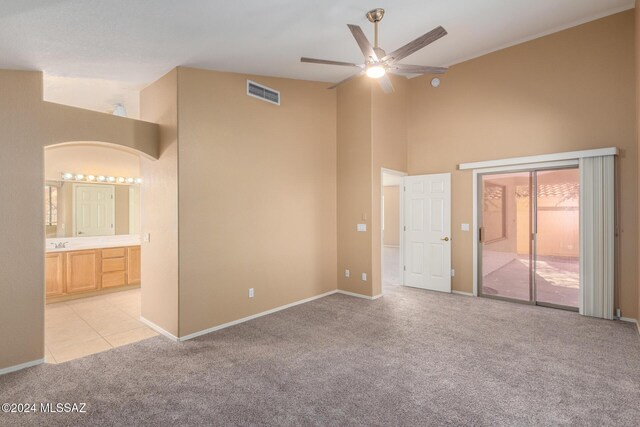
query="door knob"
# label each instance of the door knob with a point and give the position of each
(446, 239)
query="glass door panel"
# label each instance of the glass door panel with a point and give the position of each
(557, 249)
(506, 236)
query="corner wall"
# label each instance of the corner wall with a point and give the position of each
(257, 196)
(563, 92)
(354, 185)
(159, 207)
(389, 151)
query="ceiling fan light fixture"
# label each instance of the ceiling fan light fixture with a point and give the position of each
(376, 71)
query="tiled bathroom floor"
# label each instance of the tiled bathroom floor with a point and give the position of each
(78, 328)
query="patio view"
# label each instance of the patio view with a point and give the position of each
(515, 266)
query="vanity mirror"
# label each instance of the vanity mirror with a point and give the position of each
(84, 209)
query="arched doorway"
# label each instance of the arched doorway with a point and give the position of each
(92, 249)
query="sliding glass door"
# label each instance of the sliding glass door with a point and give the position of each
(529, 236)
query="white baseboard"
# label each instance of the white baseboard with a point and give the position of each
(159, 330)
(469, 294)
(246, 319)
(253, 316)
(21, 366)
(353, 294)
(630, 320)
(391, 246)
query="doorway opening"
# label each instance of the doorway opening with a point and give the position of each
(392, 223)
(92, 250)
(528, 245)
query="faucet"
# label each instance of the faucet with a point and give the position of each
(60, 245)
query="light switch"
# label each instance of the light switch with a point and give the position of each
(364, 277)
(464, 227)
(362, 227)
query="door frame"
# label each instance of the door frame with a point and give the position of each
(400, 220)
(477, 173)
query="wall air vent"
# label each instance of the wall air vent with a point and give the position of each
(262, 92)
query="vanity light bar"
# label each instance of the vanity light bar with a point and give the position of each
(69, 176)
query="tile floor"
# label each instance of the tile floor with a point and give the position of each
(81, 327)
(391, 266)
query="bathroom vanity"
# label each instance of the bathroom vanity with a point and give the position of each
(86, 266)
(92, 225)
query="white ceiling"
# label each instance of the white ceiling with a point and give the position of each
(136, 41)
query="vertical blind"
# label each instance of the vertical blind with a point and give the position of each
(597, 236)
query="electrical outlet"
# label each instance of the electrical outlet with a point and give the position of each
(453, 273)
(146, 237)
(250, 292)
(364, 277)
(347, 273)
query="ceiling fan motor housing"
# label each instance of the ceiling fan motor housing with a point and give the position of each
(375, 15)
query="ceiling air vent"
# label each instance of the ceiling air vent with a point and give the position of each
(262, 92)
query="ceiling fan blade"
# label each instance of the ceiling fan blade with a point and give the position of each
(345, 80)
(417, 69)
(363, 42)
(385, 84)
(327, 62)
(417, 44)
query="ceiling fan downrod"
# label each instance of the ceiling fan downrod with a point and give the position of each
(375, 16)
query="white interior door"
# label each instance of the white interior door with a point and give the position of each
(94, 210)
(427, 235)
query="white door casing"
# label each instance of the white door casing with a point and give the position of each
(427, 238)
(94, 211)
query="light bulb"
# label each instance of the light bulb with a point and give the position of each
(120, 179)
(67, 175)
(138, 180)
(102, 178)
(79, 177)
(111, 179)
(129, 180)
(376, 71)
(91, 178)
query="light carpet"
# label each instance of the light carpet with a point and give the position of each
(410, 358)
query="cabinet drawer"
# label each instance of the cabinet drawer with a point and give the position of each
(113, 253)
(113, 264)
(114, 279)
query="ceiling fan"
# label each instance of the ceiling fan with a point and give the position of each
(377, 63)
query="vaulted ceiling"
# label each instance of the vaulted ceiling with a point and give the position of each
(137, 41)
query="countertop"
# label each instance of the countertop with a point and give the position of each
(99, 242)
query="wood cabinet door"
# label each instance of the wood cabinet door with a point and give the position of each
(133, 265)
(54, 274)
(83, 271)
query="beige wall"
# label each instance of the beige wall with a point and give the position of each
(637, 56)
(389, 150)
(372, 134)
(257, 192)
(159, 211)
(354, 184)
(391, 234)
(89, 159)
(566, 91)
(27, 125)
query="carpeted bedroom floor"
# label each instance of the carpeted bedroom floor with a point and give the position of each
(410, 358)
